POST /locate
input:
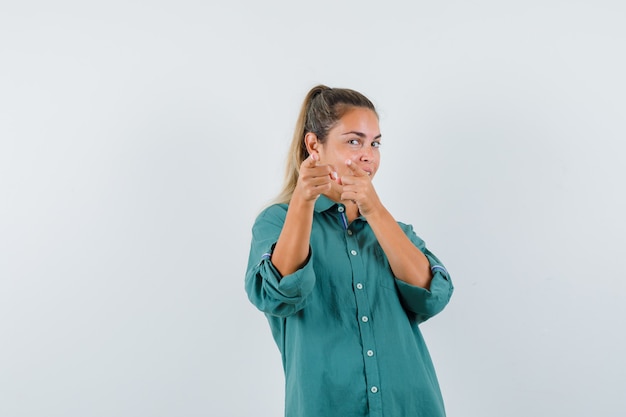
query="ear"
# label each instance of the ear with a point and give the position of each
(312, 143)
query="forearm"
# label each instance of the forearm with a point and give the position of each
(407, 262)
(292, 248)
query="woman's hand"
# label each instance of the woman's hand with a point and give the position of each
(314, 179)
(292, 248)
(357, 187)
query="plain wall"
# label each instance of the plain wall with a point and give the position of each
(138, 141)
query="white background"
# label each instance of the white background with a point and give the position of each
(138, 141)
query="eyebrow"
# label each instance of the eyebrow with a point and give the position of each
(360, 134)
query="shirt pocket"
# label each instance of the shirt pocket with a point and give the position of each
(387, 281)
(384, 276)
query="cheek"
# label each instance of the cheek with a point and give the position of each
(376, 164)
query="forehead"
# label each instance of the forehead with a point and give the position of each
(358, 119)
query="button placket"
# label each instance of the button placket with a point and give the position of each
(364, 315)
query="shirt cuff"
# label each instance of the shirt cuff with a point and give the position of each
(427, 303)
(290, 288)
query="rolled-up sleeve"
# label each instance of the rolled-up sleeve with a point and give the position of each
(266, 288)
(426, 303)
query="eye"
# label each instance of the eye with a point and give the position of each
(376, 144)
(354, 142)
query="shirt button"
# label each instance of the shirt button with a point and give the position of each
(370, 353)
(364, 319)
(359, 286)
(353, 252)
(374, 390)
(349, 232)
(340, 209)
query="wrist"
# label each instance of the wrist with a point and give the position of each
(302, 198)
(376, 214)
(301, 202)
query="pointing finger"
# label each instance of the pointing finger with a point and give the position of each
(356, 170)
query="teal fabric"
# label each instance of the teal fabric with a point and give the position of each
(346, 328)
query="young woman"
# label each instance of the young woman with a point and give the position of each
(343, 285)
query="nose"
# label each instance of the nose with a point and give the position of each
(367, 154)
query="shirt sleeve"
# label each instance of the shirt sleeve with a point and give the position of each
(426, 303)
(266, 288)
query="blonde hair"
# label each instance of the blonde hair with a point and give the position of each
(321, 110)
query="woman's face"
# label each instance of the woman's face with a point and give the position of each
(356, 136)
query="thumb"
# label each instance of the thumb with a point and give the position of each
(311, 161)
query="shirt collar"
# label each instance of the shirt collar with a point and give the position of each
(324, 203)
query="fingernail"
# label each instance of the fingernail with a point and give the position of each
(335, 175)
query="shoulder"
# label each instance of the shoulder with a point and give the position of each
(408, 228)
(410, 232)
(272, 214)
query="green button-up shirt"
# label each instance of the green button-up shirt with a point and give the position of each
(347, 329)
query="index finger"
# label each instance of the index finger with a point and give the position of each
(356, 170)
